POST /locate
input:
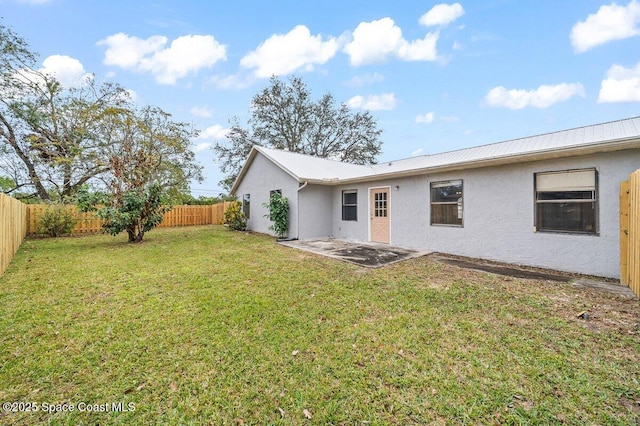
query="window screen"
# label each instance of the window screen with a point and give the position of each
(566, 201)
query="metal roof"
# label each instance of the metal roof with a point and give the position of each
(521, 149)
(307, 167)
(610, 136)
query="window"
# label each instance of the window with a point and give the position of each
(566, 201)
(275, 191)
(446, 203)
(246, 205)
(380, 204)
(350, 205)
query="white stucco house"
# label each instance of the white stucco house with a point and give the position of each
(549, 201)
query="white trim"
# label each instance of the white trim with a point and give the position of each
(369, 209)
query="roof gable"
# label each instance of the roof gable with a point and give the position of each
(303, 167)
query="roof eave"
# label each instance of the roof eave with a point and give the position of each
(609, 146)
(593, 148)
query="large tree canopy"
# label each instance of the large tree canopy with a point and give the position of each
(283, 116)
(52, 138)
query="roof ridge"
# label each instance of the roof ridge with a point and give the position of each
(516, 139)
(313, 156)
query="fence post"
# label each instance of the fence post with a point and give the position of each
(633, 275)
(624, 232)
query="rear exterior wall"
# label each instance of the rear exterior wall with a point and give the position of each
(260, 179)
(498, 215)
(314, 214)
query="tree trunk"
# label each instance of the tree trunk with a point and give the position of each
(136, 233)
(33, 175)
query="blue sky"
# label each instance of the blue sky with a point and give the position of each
(437, 76)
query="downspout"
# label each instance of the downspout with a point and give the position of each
(300, 188)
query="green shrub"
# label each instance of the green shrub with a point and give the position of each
(56, 221)
(234, 217)
(278, 214)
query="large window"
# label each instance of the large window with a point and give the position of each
(350, 205)
(446, 203)
(567, 201)
(246, 205)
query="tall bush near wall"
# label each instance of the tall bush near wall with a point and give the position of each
(13, 228)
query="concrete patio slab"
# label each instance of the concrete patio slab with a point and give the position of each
(371, 255)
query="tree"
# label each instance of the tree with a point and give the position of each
(14, 56)
(150, 163)
(51, 137)
(283, 116)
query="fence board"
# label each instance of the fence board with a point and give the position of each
(88, 223)
(13, 228)
(624, 232)
(634, 233)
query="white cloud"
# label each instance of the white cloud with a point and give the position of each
(425, 118)
(457, 46)
(235, 81)
(67, 70)
(204, 112)
(611, 22)
(131, 95)
(542, 97)
(186, 54)
(202, 146)
(419, 50)
(375, 41)
(385, 101)
(621, 85)
(282, 54)
(365, 79)
(214, 132)
(442, 14)
(417, 152)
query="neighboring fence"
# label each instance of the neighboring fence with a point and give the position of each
(630, 232)
(88, 223)
(13, 228)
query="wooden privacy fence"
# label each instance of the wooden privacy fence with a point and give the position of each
(630, 232)
(88, 223)
(13, 228)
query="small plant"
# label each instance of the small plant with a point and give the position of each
(278, 213)
(234, 217)
(57, 221)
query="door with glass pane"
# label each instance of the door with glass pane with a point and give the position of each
(379, 215)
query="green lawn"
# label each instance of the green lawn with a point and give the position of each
(203, 325)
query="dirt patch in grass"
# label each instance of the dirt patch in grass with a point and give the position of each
(504, 269)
